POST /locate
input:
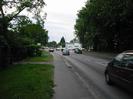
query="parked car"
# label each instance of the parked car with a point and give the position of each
(65, 52)
(78, 51)
(120, 70)
(51, 50)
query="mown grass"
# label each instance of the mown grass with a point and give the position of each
(45, 57)
(27, 81)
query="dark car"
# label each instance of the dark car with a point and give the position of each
(78, 51)
(120, 70)
(51, 50)
(65, 52)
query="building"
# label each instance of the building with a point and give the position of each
(73, 45)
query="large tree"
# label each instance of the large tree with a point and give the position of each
(12, 41)
(106, 24)
(10, 9)
(35, 32)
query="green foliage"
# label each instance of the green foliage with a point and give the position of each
(18, 34)
(106, 25)
(26, 29)
(34, 50)
(52, 44)
(45, 57)
(17, 6)
(35, 32)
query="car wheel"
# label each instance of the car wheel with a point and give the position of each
(107, 79)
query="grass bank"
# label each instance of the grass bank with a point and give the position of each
(45, 57)
(27, 81)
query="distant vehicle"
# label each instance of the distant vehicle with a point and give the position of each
(63, 49)
(65, 52)
(58, 49)
(51, 50)
(120, 70)
(78, 51)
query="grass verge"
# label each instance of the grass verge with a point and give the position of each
(27, 81)
(45, 57)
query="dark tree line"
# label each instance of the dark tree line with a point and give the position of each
(19, 36)
(106, 25)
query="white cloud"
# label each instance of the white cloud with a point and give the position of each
(61, 16)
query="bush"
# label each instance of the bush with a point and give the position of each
(39, 53)
(34, 50)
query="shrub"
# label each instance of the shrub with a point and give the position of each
(34, 50)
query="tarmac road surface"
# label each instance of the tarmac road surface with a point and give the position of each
(81, 76)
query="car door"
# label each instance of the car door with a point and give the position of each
(123, 72)
(117, 68)
(126, 74)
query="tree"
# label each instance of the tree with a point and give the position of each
(106, 25)
(62, 42)
(26, 32)
(52, 44)
(35, 32)
(12, 38)
(17, 6)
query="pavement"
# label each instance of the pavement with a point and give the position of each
(66, 84)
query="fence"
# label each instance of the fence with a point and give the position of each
(4, 56)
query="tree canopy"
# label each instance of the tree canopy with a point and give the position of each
(10, 9)
(18, 32)
(52, 44)
(106, 25)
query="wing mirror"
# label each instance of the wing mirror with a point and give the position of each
(110, 63)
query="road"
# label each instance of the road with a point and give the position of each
(89, 74)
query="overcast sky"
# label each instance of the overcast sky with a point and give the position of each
(61, 17)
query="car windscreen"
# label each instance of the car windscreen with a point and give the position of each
(128, 57)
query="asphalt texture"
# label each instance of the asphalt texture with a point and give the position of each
(81, 76)
(67, 86)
